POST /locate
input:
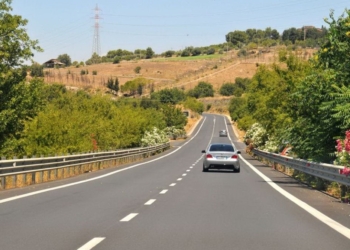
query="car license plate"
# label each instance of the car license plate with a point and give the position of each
(221, 157)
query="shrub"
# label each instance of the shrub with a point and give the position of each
(174, 132)
(137, 70)
(241, 53)
(154, 137)
(94, 72)
(116, 60)
(257, 133)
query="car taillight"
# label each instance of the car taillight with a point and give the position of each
(234, 157)
(209, 156)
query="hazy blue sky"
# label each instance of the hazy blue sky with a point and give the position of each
(67, 26)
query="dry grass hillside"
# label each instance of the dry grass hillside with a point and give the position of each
(184, 73)
(165, 73)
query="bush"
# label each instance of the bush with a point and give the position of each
(137, 70)
(116, 60)
(203, 89)
(175, 133)
(242, 53)
(94, 72)
(210, 51)
(37, 70)
(154, 137)
(257, 133)
(82, 72)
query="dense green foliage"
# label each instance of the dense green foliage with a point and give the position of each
(65, 58)
(69, 122)
(18, 101)
(194, 105)
(134, 87)
(237, 88)
(172, 96)
(36, 70)
(304, 104)
(98, 124)
(149, 53)
(113, 85)
(202, 89)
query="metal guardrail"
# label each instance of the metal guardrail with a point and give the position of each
(23, 172)
(322, 170)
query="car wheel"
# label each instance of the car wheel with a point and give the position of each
(205, 169)
(237, 170)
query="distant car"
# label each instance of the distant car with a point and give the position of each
(221, 156)
(223, 133)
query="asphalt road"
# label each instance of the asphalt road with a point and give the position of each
(167, 202)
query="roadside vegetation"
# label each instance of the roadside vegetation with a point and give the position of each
(302, 104)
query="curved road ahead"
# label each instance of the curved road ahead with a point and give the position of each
(167, 202)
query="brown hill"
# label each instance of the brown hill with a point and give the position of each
(164, 73)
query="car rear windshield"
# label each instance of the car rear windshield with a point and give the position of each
(228, 148)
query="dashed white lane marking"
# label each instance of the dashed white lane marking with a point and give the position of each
(164, 191)
(320, 216)
(172, 184)
(179, 179)
(150, 202)
(129, 217)
(191, 167)
(184, 174)
(188, 170)
(92, 243)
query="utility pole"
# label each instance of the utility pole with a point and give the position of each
(96, 39)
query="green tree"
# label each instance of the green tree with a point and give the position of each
(227, 89)
(135, 86)
(95, 59)
(169, 53)
(113, 84)
(194, 105)
(196, 51)
(36, 70)
(65, 58)
(210, 51)
(149, 53)
(203, 89)
(172, 96)
(173, 116)
(237, 37)
(19, 101)
(116, 60)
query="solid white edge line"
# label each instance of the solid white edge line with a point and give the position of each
(92, 243)
(172, 184)
(164, 191)
(314, 212)
(129, 217)
(98, 177)
(150, 202)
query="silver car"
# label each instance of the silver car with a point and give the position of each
(222, 133)
(221, 156)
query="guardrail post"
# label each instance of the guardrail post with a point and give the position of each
(2, 185)
(342, 191)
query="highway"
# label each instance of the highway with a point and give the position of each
(167, 203)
